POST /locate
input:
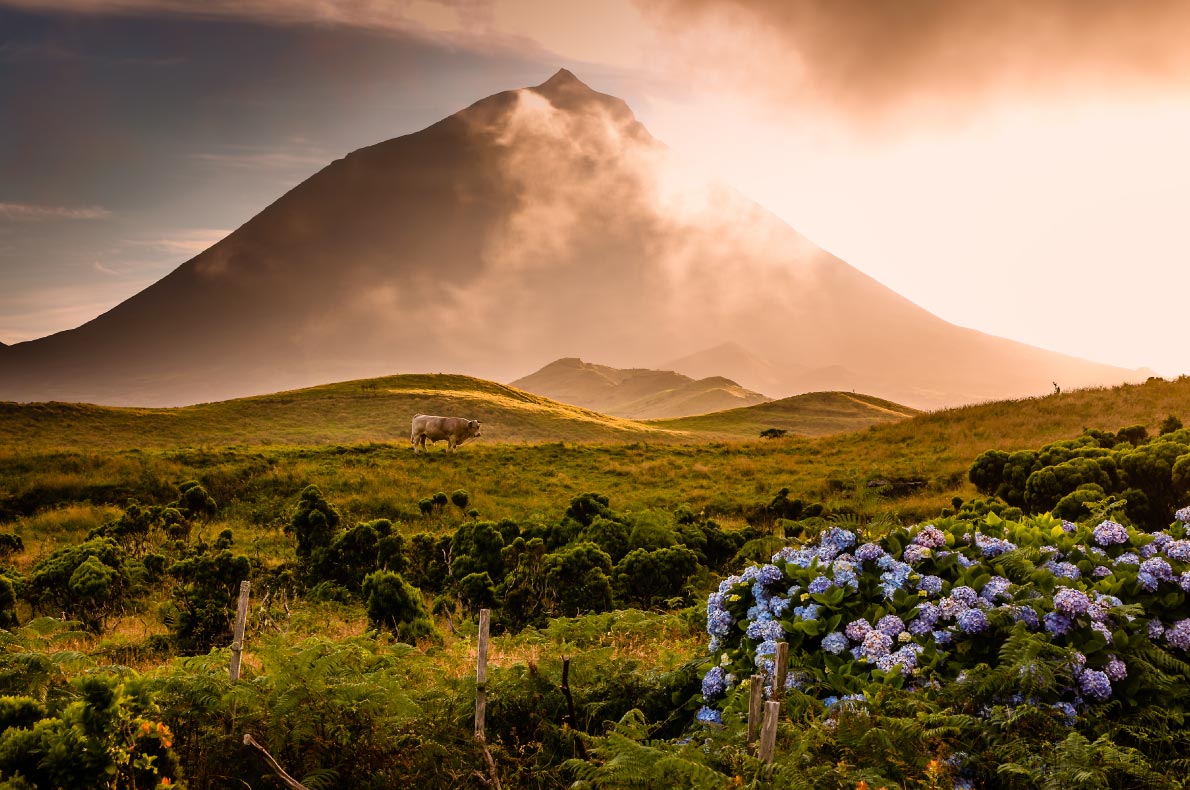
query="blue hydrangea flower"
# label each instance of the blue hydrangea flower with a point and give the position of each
(1109, 533)
(1026, 615)
(713, 683)
(1184, 581)
(1183, 515)
(1067, 710)
(1156, 629)
(942, 637)
(1158, 568)
(1147, 581)
(834, 642)
(1101, 571)
(1116, 669)
(997, 587)
(1128, 559)
(709, 715)
(992, 547)
(1095, 684)
(1057, 623)
(807, 612)
(914, 554)
(1067, 570)
(1102, 629)
(973, 621)
(778, 605)
(964, 595)
(1070, 601)
(820, 585)
(765, 630)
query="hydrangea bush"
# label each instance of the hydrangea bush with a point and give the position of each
(924, 605)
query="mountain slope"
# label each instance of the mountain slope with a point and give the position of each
(636, 393)
(536, 224)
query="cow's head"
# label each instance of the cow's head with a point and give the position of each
(473, 427)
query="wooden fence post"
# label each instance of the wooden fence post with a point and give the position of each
(768, 734)
(481, 672)
(756, 694)
(781, 669)
(237, 642)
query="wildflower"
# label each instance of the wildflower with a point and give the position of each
(1109, 532)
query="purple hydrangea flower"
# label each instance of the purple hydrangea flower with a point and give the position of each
(1146, 551)
(1183, 515)
(890, 624)
(1067, 710)
(942, 637)
(1026, 615)
(1158, 568)
(1067, 570)
(931, 584)
(869, 552)
(964, 595)
(834, 642)
(856, 630)
(973, 621)
(1178, 635)
(930, 537)
(1156, 629)
(914, 554)
(992, 547)
(1095, 684)
(1116, 669)
(1147, 581)
(1068, 526)
(1184, 581)
(1102, 629)
(1109, 533)
(1070, 601)
(1101, 571)
(1128, 559)
(875, 645)
(1178, 550)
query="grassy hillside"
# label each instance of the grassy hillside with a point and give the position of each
(379, 410)
(812, 414)
(370, 410)
(636, 393)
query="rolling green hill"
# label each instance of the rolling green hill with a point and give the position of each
(811, 414)
(636, 393)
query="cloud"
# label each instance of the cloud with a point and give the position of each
(187, 242)
(873, 59)
(30, 212)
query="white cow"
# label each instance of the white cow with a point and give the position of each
(455, 430)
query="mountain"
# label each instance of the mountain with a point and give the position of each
(538, 223)
(636, 393)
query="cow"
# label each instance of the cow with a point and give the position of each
(455, 430)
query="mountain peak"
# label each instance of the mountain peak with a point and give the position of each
(562, 79)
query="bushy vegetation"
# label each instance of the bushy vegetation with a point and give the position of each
(368, 568)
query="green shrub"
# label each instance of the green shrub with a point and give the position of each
(393, 604)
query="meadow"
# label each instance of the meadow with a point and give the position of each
(331, 688)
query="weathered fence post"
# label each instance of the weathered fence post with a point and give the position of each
(768, 733)
(756, 694)
(782, 667)
(481, 700)
(237, 641)
(481, 672)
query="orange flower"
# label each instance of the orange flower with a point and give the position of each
(166, 742)
(165, 781)
(146, 727)
(861, 785)
(934, 767)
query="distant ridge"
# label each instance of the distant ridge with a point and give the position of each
(810, 414)
(635, 393)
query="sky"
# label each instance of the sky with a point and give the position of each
(1014, 166)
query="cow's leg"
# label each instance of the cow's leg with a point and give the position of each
(413, 441)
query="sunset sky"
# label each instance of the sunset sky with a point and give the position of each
(1015, 166)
